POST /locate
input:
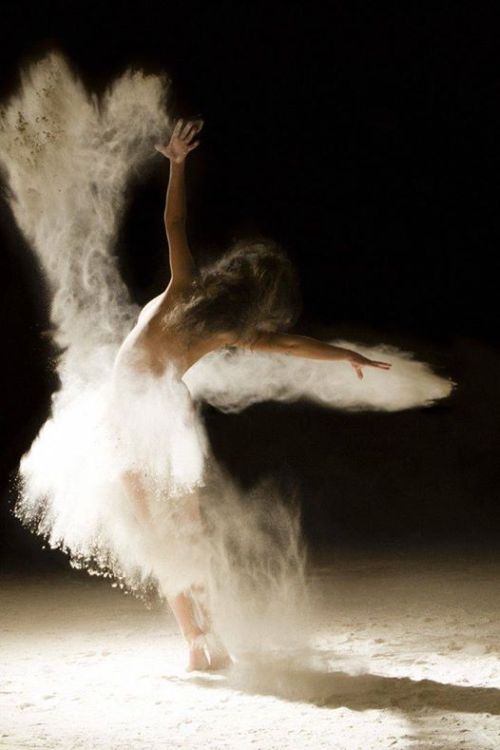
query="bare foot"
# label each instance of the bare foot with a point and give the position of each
(219, 656)
(198, 654)
(207, 653)
(220, 661)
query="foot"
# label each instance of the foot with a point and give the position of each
(219, 656)
(198, 654)
(206, 652)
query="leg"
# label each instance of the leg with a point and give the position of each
(215, 651)
(198, 596)
(137, 493)
(192, 618)
(218, 655)
(187, 612)
(183, 608)
(206, 651)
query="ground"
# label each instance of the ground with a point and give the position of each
(404, 653)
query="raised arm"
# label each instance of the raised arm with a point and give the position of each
(306, 346)
(182, 266)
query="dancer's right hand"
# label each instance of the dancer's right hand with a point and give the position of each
(181, 141)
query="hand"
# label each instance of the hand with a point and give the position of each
(181, 141)
(358, 361)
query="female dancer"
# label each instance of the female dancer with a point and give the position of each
(120, 476)
(243, 300)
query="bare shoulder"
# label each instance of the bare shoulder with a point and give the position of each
(149, 308)
(156, 308)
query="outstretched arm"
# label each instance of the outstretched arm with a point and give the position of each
(306, 346)
(182, 266)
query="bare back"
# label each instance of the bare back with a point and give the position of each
(151, 347)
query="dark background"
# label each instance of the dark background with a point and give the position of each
(365, 139)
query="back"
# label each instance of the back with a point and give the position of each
(151, 346)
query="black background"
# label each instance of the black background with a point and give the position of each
(365, 139)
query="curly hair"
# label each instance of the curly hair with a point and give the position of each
(253, 287)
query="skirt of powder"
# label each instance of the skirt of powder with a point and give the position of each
(114, 478)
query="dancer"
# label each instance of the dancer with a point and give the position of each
(194, 316)
(121, 476)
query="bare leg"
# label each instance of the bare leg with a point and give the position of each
(219, 657)
(183, 608)
(190, 611)
(184, 611)
(206, 651)
(212, 649)
(215, 651)
(198, 595)
(138, 494)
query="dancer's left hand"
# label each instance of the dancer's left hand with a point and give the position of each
(358, 361)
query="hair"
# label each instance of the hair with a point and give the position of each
(253, 287)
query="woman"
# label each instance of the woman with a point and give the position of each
(245, 299)
(120, 476)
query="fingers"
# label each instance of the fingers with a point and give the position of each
(375, 363)
(177, 129)
(183, 132)
(186, 129)
(370, 363)
(197, 125)
(190, 132)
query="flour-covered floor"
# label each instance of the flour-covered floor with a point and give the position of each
(404, 654)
